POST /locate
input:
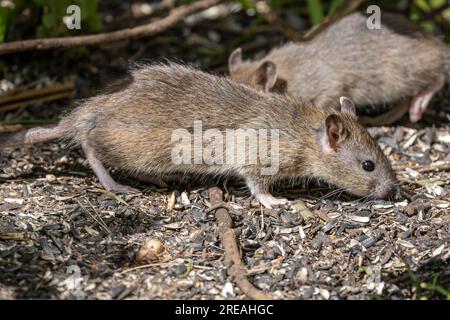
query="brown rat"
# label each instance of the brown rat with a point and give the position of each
(398, 63)
(132, 129)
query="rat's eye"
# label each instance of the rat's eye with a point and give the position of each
(368, 165)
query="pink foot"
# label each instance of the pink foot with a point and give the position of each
(420, 102)
(102, 174)
(269, 201)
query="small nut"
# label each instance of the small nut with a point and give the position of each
(150, 251)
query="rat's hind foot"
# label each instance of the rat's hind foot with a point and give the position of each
(102, 174)
(421, 101)
(269, 201)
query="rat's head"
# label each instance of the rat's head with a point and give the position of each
(261, 75)
(350, 158)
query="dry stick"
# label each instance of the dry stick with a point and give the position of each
(442, 166)
(25, 98)
(33, 93)
(40, 100)
(7, 128)
(147, 30)
(236, 268)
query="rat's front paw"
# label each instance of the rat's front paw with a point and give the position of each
(269, 201)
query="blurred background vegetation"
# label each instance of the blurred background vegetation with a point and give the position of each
(20, 19)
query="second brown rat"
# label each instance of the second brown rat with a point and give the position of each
(398, 63)
(132, 129)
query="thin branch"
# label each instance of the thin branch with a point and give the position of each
(437, 166)
(17, 95)
(236, 268)
(23, 98)
(36, 101)
(12, 128)
(147, 30)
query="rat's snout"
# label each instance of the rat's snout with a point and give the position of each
(386, 189)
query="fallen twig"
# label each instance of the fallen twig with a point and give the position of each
(18, 95)
(36, 101)
(23, 98)
(146, 30)
(236, 268)
(437, 166)
(13, 127)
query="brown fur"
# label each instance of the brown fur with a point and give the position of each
(371, 67)
(131, 129)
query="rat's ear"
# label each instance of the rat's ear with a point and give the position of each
(235, 59)
(348, 106)
(266, 75)
(335, 132)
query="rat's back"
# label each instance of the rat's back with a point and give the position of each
(127, 125)
(372, 66)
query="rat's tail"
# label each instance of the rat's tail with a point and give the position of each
(31, 136)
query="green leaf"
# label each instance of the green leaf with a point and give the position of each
(4, 20)
(315, 9)
(48, 20)
(90, 15)
(437, 3)
(423, 5)
(334, 5)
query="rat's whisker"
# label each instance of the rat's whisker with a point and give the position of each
(332, 193)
